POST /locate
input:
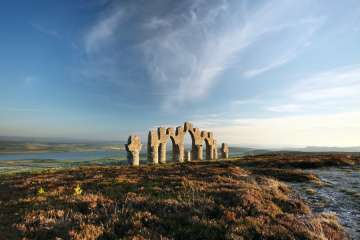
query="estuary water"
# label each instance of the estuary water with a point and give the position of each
(81, 155)
(76, 156)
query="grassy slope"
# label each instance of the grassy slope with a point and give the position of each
(180, 201)
(38, 165)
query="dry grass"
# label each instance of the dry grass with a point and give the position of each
(190, 201)
(301, 160)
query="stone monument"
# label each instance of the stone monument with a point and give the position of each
(224, 150)
(158, 138)
(133, 148)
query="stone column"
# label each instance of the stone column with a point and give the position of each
(181, 150)
(188, 156)
(215, 153)
(152, 147)
(175, 152)
(224, 150)
(133, 148)
(215, 150)
(194, 152)
(154, 154)
(211, 152)
(162, 152)
(207, 152)
(199, 149)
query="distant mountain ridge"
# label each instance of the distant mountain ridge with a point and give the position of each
(55, 140)
(257, 151)
(4, 140)
(329, 149)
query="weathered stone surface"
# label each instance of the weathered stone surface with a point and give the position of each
(157, 139)
(224, 150)
(188, 156)
(133, 148)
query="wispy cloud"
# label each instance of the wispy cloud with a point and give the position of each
(307, 28)
(336, 129)
(335, 89)
(287, 108)
(103, 31)
(235, 104)
(187, 50)
(275, 64)
(343, 82)
(203, 46)
(156, 23)
(47, 31)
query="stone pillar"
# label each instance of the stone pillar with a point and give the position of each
(188, 156)
(211, 152)
(224, 150)
(215, 151)
(162, 151)
(152, 147)
(133, 148)
(181, 150)
(175, 153)
(199, 151)
(154, 158)
(207, 152)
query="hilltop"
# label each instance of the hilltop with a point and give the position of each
(198, 200)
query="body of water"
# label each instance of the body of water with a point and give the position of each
(82, 156)
(76, 156)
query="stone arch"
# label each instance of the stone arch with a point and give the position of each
(191, 148)
(173, 148)
(157, 140)
(152, 147)
(206, 147)
(208, 138)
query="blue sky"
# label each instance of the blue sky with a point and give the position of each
(257, 73)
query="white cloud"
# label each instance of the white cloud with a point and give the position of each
(342, 82)
(188, 59)
(334, 90)
(286, 108)
(276, 63)
(340, 129)
(189, 49)
(103, 31)
(46, 31)
(303, 41)
(155, 23)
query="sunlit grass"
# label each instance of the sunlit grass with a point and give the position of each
(199, 200)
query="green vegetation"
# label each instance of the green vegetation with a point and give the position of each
(36, 165)
(198, 200)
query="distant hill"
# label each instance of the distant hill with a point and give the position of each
(258, 151)
(28, 144)
(330, 149)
